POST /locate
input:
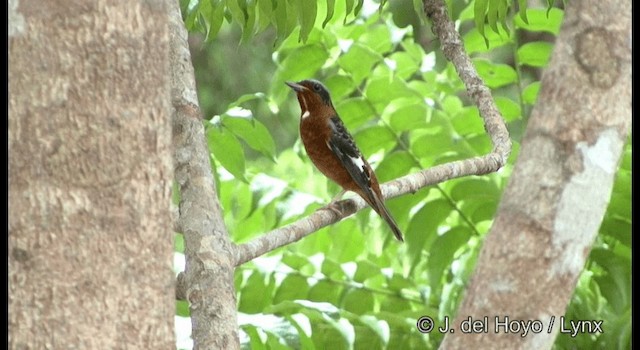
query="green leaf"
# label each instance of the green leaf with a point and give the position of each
(540, 21)
(359, 5)
(249, 8)
(286, 19)
(480, 144)
(480, 10)
(620, 204)
(395, 165)
(452, 105)
(377, 39)
(509, 109)
(340, 86)
(422, 229)
(265, 14)
(530, 93)
(178, 243)
(182, 308)
(237, 13)
(482, 189)
(622, 184)
(244, 98)
(617, 228)
(535, 54)
(325, 291)
(503, 8)
(442, 252)
(479, 210)
(413, 49)
(255, 296)
(227, 150)
(175, 193)
(428, 146)
(492, 15)
(398, 282)
(254, 133)
(404, 114)
(380, 91)
(300, 321)
(366, 270)
(349, 4)
(467, 122)
(616, 284)
(332, 269)
(495, 75)
(215, 19)
(359, 61)
(304, 61)
(236, 199)
(475, 42)
(358, 301)
(405, 64)
(307, 15)
(373, 139)
(295, 261)
(292, 287)
(330, 7)
(261, 219)
(355, 111)
(380, 328)
(522, 10)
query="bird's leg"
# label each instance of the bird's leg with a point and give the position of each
(333, 205)
(337, 197)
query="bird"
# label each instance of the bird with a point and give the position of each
(332, 150)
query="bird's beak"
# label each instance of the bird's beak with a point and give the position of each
(295, 86)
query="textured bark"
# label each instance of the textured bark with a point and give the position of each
(90, 241)
(207, 282)
(558, 193)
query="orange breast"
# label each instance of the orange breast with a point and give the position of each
(315, 133)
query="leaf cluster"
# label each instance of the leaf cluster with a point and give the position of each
(351, 285)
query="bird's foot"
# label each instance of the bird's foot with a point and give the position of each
(337, 197)
(334, 207)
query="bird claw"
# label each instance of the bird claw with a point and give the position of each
(334, 207)
(337, 197)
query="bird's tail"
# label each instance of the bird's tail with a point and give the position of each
(381, 209)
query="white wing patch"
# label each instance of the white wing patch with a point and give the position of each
(358, 162)
(306, 114)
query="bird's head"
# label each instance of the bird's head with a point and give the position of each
(312, 96)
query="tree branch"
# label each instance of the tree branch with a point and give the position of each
(494, 125)
(453, 49)
(207, 283)
(552, 208)
(322, 217)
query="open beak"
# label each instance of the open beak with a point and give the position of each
(295, 86)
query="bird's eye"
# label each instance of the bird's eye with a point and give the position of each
(316, 87)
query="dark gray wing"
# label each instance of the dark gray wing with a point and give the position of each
(343, 146)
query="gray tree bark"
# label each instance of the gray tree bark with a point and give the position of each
(207, 282)
(558, 193)
(90, 241)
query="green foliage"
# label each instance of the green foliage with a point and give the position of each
(494, 12)
(254, 16)
(351, 285)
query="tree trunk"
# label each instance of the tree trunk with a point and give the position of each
(207, 282)
(90, 240)
(560, 187)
